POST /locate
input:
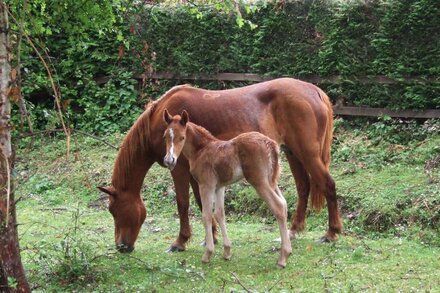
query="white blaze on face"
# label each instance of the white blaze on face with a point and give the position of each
(170, 159)
(171, 152)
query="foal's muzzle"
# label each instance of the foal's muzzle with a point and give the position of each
(170, 162)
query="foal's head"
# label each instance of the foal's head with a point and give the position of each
(174, 136)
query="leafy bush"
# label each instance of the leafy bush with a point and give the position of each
(295, 38)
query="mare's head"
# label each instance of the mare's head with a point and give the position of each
(174, 136)
(128, 216)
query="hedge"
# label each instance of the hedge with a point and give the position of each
(282, 38)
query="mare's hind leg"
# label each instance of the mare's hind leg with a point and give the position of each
(302, 183)
(181, 178)
(195, 188)
(326, 185)
(220, 217)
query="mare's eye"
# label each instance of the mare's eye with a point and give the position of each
(182, 138)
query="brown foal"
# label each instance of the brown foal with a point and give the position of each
(216, 163)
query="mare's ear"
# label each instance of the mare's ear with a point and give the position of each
(185, 118)
(110, 190)
(167, 117)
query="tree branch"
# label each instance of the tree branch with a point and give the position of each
(49, 74)
(72, 131)
(240, 283)
(97, 138)
(8, 185)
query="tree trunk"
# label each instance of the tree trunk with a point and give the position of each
(12, 277)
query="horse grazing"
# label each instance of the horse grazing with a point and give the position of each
(295, 114)
(215, 163)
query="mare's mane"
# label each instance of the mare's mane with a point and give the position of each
(135, 147)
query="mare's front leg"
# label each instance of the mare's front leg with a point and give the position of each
(207, 194)
(181, 178)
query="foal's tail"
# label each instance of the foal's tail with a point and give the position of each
(317, 196)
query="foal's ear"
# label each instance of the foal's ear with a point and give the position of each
(167, 117)
(110, 190)
(185, 118)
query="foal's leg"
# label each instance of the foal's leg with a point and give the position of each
(220, 217)
(302, 183)
(278, 206)
(195, 188)
(207, 196)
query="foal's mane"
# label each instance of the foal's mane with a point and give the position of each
(134, 149)
(203, 131)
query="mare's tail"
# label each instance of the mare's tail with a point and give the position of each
(317, 196)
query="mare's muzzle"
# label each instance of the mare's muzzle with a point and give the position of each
(124, 248)
(170, 162)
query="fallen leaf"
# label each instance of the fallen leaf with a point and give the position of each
(65, 104)
(13, 74)
(121, 52)
(14, 93)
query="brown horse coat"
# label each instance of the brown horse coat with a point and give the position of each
(216, 163)
(296, 114)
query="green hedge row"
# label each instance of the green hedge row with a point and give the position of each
(296, 38)
(301, 38)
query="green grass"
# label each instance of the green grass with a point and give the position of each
(391, 239)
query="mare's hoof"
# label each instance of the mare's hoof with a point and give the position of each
(325, 239)
(174, 248)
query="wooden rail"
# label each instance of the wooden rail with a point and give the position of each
(377, 112)
(335, 79)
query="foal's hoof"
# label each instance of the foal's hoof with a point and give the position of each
(175, 248)
(227, 254)
(206, 257)
(292, 235)
(281, 265)
(203, 243)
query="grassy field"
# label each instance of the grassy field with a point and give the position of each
(390, 207)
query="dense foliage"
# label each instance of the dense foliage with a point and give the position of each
(87, 40)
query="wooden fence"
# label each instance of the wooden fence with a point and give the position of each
(336, 79)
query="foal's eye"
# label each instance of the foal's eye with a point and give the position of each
(182, 138)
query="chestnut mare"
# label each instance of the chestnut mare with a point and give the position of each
(295, 114)
(215, 163)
